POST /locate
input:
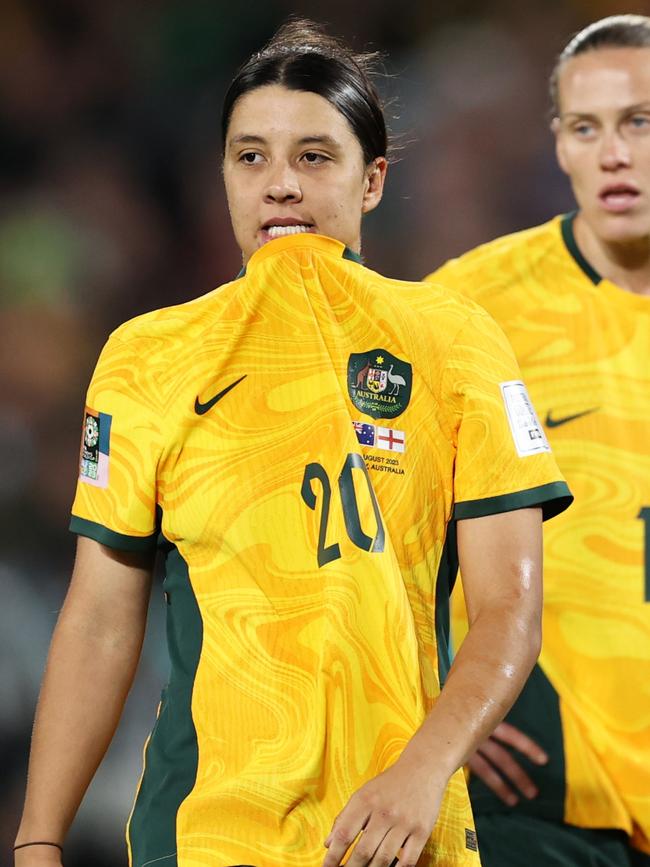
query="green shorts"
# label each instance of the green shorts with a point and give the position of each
(518, 840)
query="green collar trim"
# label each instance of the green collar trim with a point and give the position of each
(351, 256)
(569, 238)
(348, 254)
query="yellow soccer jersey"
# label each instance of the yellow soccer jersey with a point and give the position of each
(298, 441)
(584, 348)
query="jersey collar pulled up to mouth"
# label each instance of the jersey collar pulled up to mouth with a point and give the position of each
(304, 240)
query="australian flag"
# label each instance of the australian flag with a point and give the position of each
(365, 433)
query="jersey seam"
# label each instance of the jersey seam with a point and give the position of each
(155, 860)
(110, 537)
(552, 497)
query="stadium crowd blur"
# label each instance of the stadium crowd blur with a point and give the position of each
(112, 204)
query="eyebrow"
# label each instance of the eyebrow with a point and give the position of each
(638, 106)
(578, 115)
(587, 115)
(247, 139)
(324, 139)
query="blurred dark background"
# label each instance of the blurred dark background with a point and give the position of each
(111, 204)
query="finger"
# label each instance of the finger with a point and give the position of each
(338, 843)
(389, 850)
(413, 847)
(369, 842)
(494, 781)
(509, 768)
(345, 830)
(514, 737)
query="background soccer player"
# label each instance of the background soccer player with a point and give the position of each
(297, 442)
(573, 295)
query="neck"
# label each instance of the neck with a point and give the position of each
(626, 263)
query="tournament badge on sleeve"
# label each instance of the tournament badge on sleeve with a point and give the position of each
(95, 448)
(527, 432)
(379, 383)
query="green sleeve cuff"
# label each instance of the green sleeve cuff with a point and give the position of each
(110, 538)
(554, 498)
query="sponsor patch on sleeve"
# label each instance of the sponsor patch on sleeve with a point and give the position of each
(95, 448)
(471, 840)
(527, 432)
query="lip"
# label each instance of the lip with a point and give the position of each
(617, 198)
(263, 233)
(286, 221)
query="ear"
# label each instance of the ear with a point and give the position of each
(373, 189)
(556, 129)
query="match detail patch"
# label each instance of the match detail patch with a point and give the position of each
(95, 448)
(527, 432)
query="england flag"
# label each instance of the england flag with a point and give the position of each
(391, 440)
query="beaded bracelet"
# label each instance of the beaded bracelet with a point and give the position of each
(38, 843)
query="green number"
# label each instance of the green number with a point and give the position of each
(351, 509)
(316, 471)
(362, 540)
(644, 515)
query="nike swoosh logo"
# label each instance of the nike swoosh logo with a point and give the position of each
(202, 408)
(557, 422)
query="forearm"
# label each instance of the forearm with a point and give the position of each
(402, 803)
(89, 672)
(501, 561)
(488, 674)
(501, 566)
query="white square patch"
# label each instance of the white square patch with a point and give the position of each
(527, 432)
(391, 440)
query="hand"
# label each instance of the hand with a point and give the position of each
(396, 810)
(501, 759)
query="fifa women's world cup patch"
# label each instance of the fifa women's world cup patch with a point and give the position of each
(379, 384)
(527, 432)
(95, 448)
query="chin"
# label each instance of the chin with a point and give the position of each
(622, 228)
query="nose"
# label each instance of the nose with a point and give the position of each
(283, 185)
(614, 152)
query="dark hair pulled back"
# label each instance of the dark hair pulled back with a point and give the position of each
(615, 31)
(301, 56)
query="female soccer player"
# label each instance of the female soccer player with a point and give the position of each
(311, 446)
(577, 789)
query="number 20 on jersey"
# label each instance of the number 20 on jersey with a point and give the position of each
(316, 473)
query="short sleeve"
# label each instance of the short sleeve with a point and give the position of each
(503, 459)
(115, 501)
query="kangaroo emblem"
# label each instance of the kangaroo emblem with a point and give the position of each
(361, 376)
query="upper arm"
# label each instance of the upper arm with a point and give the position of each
(501, 562)
(503, 461)
(122, 441)
(109, 588)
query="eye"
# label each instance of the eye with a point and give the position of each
(583, 129)
(640, 121)
(250, 158)
(314, 159)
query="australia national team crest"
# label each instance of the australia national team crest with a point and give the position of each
(379, 383)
